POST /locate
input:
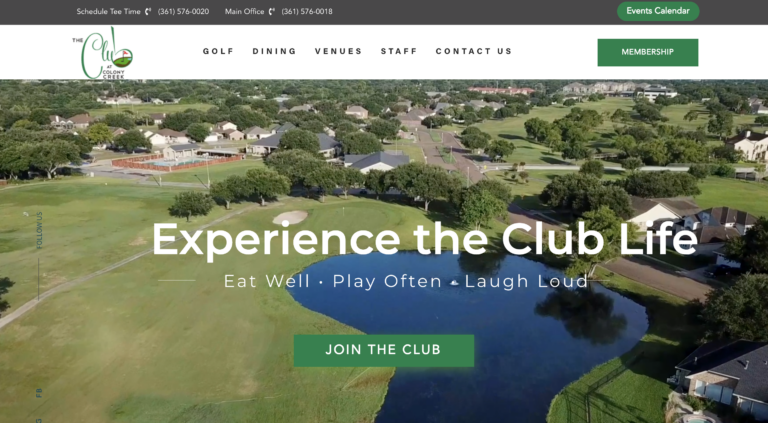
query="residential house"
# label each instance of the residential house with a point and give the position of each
(155, 138)
(213, 137)
(178, 152)
(81, 121)
(759, 109)
(59, 122)
(439, 107)
(156, 101)
(726, 217)
(436, 94)
(126, 99)
(357, 111)
(379, 161)
(285, 127)
(224, 125)
(233, 134)
(607, 87)
(173, 137)
(329, 147)
(410, 120)
(257, 133)
(659, 210)
(577, 88)
(508, 90)
(117, 131)
(752, 144)
(406, 103)
(302, 108)
(422, 113)
(734, 373)
(157, 118)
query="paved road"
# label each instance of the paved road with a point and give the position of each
(5, 320)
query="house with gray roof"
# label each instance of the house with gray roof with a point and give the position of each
(180, 151)
(257, 133)
(379, 161)
(329, 147)
(285, 127)
(733, 373)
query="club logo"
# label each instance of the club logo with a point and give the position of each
(97, 51)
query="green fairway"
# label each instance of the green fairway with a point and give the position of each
(217, 172)
(148, 108)
(414, 152)
(126, 347)
(747, 196)
(530, 152)
(86, 225)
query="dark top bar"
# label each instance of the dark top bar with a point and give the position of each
(348, 12)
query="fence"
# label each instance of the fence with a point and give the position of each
(133, 163)
(613, 374)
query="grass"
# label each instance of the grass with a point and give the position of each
(413, 151)
(149, 108)
(751, 197)
(639, 390)
(530, 152)
(437, 136)
(446, 154)
(126, 347)
(218, 172)
(83, 230)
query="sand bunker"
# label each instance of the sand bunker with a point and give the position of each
(292, 217)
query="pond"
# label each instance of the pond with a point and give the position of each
(529, 342)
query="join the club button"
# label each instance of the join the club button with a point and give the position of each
(647, 52)
(383, 350)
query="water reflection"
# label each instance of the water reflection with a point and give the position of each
(529, 342)
(585, 314)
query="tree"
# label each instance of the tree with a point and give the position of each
(267, 183)
(631, 164)
(294, 164)
(537, 128)
(119, 120)
(198, 131)
(479, 206)
(245, 118)
(761, 120)
(191, 203)
(699, 171)
(384, 129)
(377, 181)
(5, 285)
(299, 139)
(626, 143)
(691, 116)
(608, 224)
(49, 156)
(360, 143)
(621, 115)
(15, 159)
(505, 112)
(580, 193)
(428, 182)
(751, 250)
(99, 134)
(593, 167)
(485, 113)
(577, 151)
(132, 140)
(500, 149)
(721, 124)
(349, 178)
(724, 170)
(325, 178)
(223, 191)
(760, 171)
(524, 176)
(663, 184)
(569, 102)
(496, 188)
(739, 311)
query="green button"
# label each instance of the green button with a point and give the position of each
(647, 11)
(650, 52)
(383, 350)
